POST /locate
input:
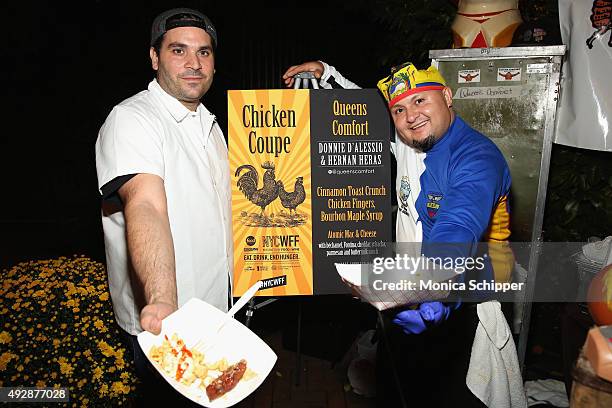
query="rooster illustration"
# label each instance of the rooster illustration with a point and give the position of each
(293, 199)
(247, 183)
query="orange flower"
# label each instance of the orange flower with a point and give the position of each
(119, 363)
(39, 293)
(65, 366)
(105, 348)
(99, 324)
(5, 337)
(119, 388)
(6, 358)
(97, 373)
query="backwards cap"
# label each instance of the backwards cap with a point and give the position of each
(406, 80)
(182, 17)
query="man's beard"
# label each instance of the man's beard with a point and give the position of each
(425, 144)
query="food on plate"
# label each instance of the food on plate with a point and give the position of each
(188, 366)
(226, 381)
(178, 362)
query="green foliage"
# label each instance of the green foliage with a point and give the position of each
(579, 201)
(412, 29)
(534, 10)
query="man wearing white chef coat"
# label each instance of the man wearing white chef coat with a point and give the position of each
(163, 173)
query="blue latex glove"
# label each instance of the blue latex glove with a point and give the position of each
(416, 321)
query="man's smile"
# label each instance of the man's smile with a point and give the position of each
(419, 125)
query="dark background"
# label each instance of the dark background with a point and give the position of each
(65, 66)
(320, 131)
(69, 65)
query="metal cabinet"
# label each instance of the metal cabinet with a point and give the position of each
(510, 95)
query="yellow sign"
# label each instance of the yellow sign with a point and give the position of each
(269, 153)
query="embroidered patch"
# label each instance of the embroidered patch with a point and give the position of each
(404, 191)
(433, 203)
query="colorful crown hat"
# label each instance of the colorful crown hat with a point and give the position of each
(406, 80)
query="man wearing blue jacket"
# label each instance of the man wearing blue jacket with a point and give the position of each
(452, 187)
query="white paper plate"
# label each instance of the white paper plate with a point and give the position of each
(197, 320)
(350, 273)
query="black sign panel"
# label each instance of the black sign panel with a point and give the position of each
(351, 176)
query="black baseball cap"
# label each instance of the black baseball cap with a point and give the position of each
(181, 17)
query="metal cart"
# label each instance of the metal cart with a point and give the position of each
(510, 95)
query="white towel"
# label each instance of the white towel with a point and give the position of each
(494, 375)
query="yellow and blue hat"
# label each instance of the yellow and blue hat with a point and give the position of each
(406, 79)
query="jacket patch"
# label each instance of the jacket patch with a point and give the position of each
(404, 190)
(433, 203)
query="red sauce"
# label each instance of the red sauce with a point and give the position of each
(180, 371)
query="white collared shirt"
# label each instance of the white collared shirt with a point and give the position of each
(152, 132)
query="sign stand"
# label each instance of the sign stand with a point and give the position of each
(305, 76)
(252, 307)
